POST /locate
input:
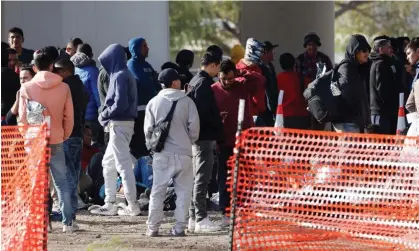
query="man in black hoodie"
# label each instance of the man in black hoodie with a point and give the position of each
(74, 144)
(384, 91)
(10, 84)
(354, 105)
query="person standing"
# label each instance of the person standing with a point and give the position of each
(203, 149)
(175, 160)
(117, 115)
(48, 89)
(16, 40)
(13, 60)
(412, 52)
(147, 88)
(10, 85)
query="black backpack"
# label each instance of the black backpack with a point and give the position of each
(323, 95)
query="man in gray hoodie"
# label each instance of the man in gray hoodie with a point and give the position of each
(175, 160)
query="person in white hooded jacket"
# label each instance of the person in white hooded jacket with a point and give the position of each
(175, 160)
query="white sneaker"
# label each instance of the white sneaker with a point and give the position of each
(225, 222)
(191, 225)
(131, 210)
(67, 229)
(80, 203)
(75, 226)
(109, 209)
(206, 226)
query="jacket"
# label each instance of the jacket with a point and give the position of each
(412, 104)
(228, 102)
(184, 127)
(384, 91)
(354, 104)
(271, 90)
(257, 101)
(143, 72)
(307, 66)
(88, 72)
(121, 98)
(293, 103)
(211, 127)
(9, 87)
(102, 84)
(49, 90)
(79, 103)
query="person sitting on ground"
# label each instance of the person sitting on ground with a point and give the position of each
(175, 161)
(49, 90)
(293, 104)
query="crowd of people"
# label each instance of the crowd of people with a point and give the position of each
(104, 121)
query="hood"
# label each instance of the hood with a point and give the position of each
(80, 60)
(356, 43)
(113, 58)
(47, 80)
(134, 46)
(185, 58)
(172, 94)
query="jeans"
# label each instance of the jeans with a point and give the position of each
(203, 162)
(72, 149)
(59, 176)
(117, 159)
(167, 166)
(346, 127)
(223, 156)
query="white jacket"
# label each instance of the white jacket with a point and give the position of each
(184, 128)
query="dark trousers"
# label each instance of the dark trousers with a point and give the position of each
(97, 132)
(295, 122)
(387, 126)
(137, 144)
(223, 156)
(95, 171)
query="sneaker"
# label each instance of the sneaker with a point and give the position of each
(225, 222)
(152, 233)
(109, 209)
(80, 203)
(191, 225)
(56, 207)
(75, 226)
(67, 229)
(206, 226)
(174, 232)
(131, 210)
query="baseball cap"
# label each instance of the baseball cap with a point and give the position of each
(269, 46)
(167, 77)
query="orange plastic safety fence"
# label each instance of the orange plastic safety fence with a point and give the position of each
(309, 190)
(24, 186)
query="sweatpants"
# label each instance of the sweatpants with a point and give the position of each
(117, 159)
(167, 166)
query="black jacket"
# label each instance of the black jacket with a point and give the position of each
(80, 99)
(384, 91)
(354, 105)
(211, 126)
(10, 84)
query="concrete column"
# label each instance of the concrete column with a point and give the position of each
(286, 23)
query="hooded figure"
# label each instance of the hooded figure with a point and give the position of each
(86, 69)
(143, 72)
(354, 105)
(254, 51)
(10, 84)
(121, 98)
(184, 60)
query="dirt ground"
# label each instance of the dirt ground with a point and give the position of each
(102, 233)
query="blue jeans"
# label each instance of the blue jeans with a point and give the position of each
(59, 177)
(72, 150)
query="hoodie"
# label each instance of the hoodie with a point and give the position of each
(384, 91)
(143, 72)
(79, 103)
(88, 72)
(184, 127)
(121, 99)
(49, 90)
(354, 103)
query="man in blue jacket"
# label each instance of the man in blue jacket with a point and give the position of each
(88, 72)
(117, 115)
(147, 88)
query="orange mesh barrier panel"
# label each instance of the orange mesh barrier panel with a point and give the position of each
(310, 190)
(24, 186)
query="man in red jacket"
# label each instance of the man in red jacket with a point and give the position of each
(232, 87)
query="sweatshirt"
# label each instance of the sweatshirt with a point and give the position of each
(184, 128)
(49, 90)
(121, 98)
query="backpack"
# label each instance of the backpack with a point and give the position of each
(322, 96)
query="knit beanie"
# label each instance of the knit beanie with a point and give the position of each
(312, 37)
(237, 53)
(254, 51)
